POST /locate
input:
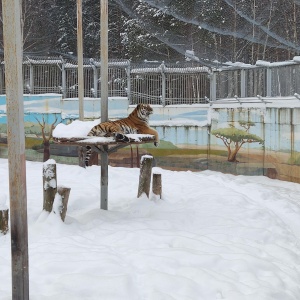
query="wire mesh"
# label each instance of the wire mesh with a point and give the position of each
(213, 32)
(159, 82)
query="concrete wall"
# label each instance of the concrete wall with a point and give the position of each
(278, 156)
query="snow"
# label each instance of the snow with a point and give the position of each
(212, 236)
(49, 174)
(146, 156)
(3, 200)
(49, 162)
(57, 204)
(255, 102)
(262, 63)
(80, 129)
(77, 129)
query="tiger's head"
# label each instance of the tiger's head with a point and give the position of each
(144, 111)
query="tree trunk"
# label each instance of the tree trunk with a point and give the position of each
(49, 185)
(64, 192)
(145, 175)
(46, 150)
(156, 184)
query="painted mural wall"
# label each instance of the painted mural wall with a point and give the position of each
(246, 139)
(266, 140)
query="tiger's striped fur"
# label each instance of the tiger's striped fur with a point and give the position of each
(136, 122)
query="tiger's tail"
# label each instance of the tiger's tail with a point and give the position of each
(88, 154)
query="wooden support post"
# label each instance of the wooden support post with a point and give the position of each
(80, 60)
(64, 192)
(104, 178)
(11, 20)
(4, 221)
(81, 156)
(145, 175)
(156, 184)
(104, 98)
(49, 184)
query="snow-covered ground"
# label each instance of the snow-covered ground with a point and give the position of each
(212, 236)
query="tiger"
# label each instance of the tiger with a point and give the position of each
(136, 123)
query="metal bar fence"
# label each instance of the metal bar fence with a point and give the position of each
(156, 82)
(2, 77)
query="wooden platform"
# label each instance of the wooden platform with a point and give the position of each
(105, 144)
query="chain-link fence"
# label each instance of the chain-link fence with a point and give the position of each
(159, 82)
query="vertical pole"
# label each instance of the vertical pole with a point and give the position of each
(80, 60)
(128, 84)
(104, 60)
(1, 76)
(31, 79)
(104, 99)
(104, 178)
(95, 77)
(213, 86)
(163, 84)
(63, 78)
(243, 83)
(269, 82)
(11, 13)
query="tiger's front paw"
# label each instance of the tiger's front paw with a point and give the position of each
(121, 138)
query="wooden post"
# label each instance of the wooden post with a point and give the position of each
(64, 192)
(49, 184)
(145, 175)
(156, 184)
(80, 60)
(104, 178)
(104, 99)
(104, 59)
(81, 156)
(137, 156)
(11, 18)
(4, 220)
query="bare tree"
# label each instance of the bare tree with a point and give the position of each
(47, 136)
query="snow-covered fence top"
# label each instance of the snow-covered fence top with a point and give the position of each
(157, 82)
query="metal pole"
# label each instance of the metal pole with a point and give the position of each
(269, 82)
(80, 60)
(63, 79)
(163, 85)
(104, 60)
(31, 80)
(104, 99)
(95, 78)
(11, 12)
(128, 84)
(243, 83)
(213, 86)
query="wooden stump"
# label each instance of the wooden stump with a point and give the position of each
(64, 192)
(156, 184)
(4, 221)
(49, 184)
(145, 175)
(81, 156)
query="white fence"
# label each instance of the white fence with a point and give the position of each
(159, 82)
